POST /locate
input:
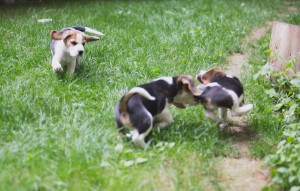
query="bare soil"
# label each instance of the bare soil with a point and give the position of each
(243, 173)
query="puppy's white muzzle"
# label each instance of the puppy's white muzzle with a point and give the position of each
(77, 50)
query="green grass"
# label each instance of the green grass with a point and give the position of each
(58, 132)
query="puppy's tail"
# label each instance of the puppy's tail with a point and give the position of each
(87, 29)
(123, 103)
(243, 109)
(130, 93)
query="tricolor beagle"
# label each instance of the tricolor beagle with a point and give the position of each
(68, 44)
(222, 92)
(146, 104)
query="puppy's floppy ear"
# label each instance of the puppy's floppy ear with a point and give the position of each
(212, 74)
(188, 83)
(65, 35)
(217, 72)
(55, 35)
(90, 38)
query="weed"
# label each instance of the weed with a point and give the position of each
(284, 92)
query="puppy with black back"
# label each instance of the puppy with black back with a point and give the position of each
(144, 105)
(221, 92)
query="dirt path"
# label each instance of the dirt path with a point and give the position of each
(244, 173)
(241, 132)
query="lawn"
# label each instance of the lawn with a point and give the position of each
(57, 132)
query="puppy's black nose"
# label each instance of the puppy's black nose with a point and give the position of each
(80, 52)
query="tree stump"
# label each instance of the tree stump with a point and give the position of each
(285, 46)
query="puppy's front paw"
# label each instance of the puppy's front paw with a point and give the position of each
(57, 68)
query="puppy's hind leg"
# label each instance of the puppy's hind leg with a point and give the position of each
(210, 114)
(164, 118)
(222, 116)
(139, 138)
(71, 67)
(143, 128)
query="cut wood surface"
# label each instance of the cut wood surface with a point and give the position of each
(285, 45)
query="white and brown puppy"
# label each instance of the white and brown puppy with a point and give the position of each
(222, 92)
(144, 105)
(68, 45)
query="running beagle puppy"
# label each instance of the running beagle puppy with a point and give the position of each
(144, 105)
(68, 45)
(222, 92)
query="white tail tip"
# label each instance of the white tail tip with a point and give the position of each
(87, 29)
(142, 92)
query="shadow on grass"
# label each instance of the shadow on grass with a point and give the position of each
(81, 72)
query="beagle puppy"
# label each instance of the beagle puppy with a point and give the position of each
(68, 45)
(222, 92)
(144, 105)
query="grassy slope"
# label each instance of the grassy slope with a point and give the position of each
(58, 132)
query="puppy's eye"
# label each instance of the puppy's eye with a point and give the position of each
(83, 43)
(74, 43)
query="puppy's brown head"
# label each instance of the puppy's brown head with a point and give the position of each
(71, 35)
(209, 76)
(186, 92)
(73, 39)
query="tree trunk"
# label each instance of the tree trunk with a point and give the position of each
(285, 46)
